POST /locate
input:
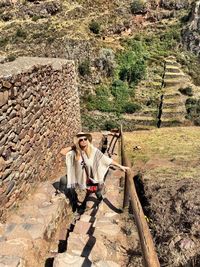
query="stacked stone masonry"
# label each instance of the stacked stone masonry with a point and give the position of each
(39, 114)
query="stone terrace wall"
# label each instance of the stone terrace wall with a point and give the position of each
(39, 114)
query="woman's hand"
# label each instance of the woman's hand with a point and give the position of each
(124, 168)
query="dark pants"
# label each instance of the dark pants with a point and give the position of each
(71, 194)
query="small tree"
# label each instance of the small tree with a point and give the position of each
(84, 68)
(94, 27)
(130, 107)
(138, 6)
(186, 91)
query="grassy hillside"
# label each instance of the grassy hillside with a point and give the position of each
(119, 47)
(167, 161)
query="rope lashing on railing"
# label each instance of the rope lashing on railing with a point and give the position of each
(148, 249)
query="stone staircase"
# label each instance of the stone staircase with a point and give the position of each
(97, 239)
(171, 111)
(44, 226)
(173, 103)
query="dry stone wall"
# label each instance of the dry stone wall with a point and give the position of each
(39, 114)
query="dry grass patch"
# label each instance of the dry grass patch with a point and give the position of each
(180, 146)
(169, 161)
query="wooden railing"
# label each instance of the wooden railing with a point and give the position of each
(148, 249)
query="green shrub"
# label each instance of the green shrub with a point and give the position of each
(191, 101)
(133, 70)
(132, 62)
(103, 91)
(193, 110)
(11, 58)
(94, 27)
(3, 41)
(36, 18)
(84, 68)
(130, 107)
(101, 101)
(197, 121)
(91, 102)
(20, 33)
(103, 104)
(137, 6)
(119, 89)
(186, 91)
(51, 39)
(170, 38)
(109, 125)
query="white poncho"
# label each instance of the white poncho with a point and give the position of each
(97, 166)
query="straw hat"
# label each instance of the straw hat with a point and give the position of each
(88, 135)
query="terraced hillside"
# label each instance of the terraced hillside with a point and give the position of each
(96, 34)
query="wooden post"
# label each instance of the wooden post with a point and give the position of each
(126, 191)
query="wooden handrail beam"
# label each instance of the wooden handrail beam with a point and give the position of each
(149, 254)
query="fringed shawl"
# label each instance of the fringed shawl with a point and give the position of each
(97, 166)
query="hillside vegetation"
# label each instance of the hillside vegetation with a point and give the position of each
(119, 47)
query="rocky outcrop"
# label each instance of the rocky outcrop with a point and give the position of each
(191, 34)
(174, 4)
(39, 104)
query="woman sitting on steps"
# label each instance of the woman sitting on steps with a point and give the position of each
(86, 167)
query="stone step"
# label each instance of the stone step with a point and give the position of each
(11, 261)
(107, 229)
(173, 115)
(87, 218)
(82, 227)
(171, 82)
(172, 104)
(171, 75)
(171, 123)
(158, 80)
(177, 99)
(66, 259)
(172, 95)
(179, 109)
(169, 62)
(172, 69)
(171, 58)
(87, 246)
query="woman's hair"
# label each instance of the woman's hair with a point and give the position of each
(78, 148)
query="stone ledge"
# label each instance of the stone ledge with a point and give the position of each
(23, 64)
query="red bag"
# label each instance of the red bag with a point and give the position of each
(91, 187)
